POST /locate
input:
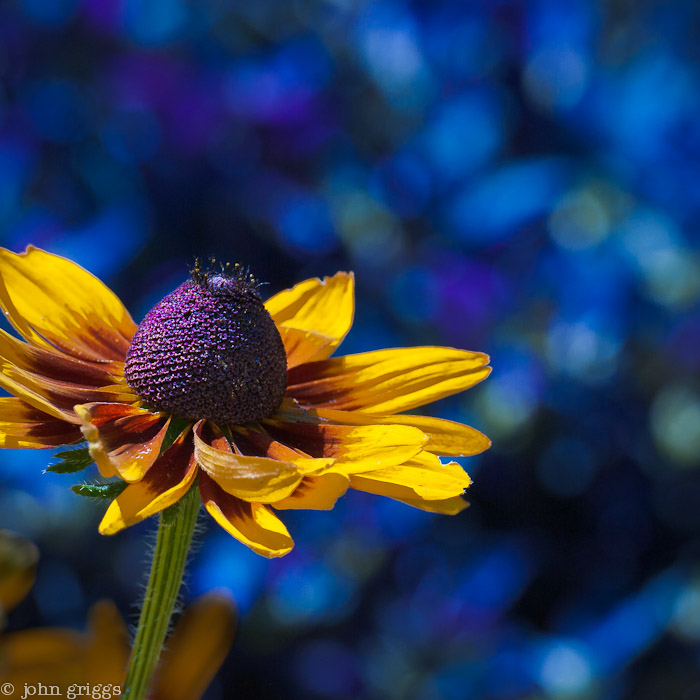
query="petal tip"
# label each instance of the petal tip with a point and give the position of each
(112, 522)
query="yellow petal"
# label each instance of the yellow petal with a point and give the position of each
(250, 478)
(353, 448)
(196, 649)
(449, 506)
(52, 301)
(386, 381)
(107, 645)
(314, 316)
(304, 346)
(56, 365)
(424, 475)
(253, 524)
(22, 425)
(52, 396)
(447, 437)
(164, 484)
(316, 493)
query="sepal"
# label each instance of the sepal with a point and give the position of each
(71, 461)
(109, 491)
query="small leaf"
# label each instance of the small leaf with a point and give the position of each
(111, 490)
(71, 461)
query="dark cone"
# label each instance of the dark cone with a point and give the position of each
(209, 350)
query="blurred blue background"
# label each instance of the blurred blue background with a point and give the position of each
(514, 177)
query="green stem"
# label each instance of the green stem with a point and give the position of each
(175, 531)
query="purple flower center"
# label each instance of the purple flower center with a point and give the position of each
(209, 350)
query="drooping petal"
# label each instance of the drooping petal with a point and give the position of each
(164, 483)
(122, 439)
(424, 478)
(249, 478)
(196, 649)
(315, 493)
(447, 437)
(253, 442)
(22, 425)
(386, 381)
(314, 316)
(52, 301)
(253, 524)
(354, 449)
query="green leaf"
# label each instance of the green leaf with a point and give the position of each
(110, 490)
(71, 461)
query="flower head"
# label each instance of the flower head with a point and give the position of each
(216, 387)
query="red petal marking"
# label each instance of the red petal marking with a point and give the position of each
(119, 424)
(230, 506)
(22, 425)
(172, 467)
(54, 364)
(163, 484)
(210, 433)
(315, 439)
(14, 410)
(257, 444)
(386, 381)
(319, 391)
(64, 394)
(95, 343)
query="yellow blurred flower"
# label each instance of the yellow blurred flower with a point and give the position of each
(97, 658)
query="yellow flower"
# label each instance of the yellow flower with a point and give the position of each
(272, 421)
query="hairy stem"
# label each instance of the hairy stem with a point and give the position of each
(175, 531)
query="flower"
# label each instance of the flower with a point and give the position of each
(216, 387)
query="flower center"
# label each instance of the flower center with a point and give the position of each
(209, 350)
